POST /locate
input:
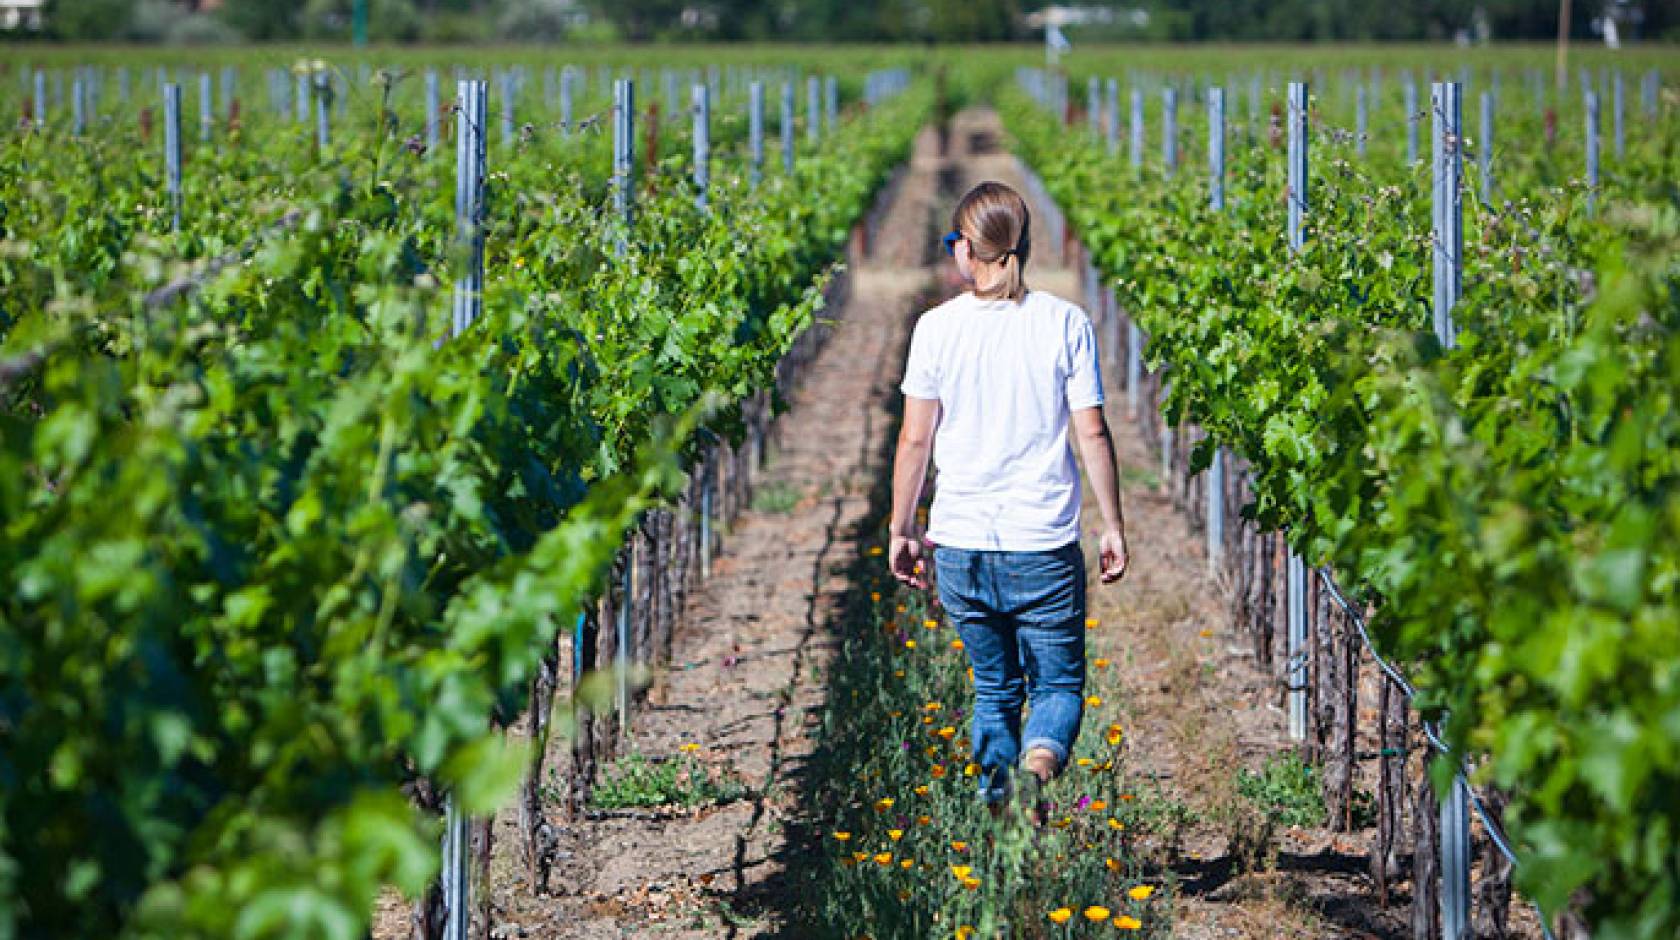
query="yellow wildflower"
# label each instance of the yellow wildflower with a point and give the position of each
(959, 846)
(906, 864)
(1091, 623)
(962, 871)
(1098, 806)
(1127, 922)
(957, 645)
(690, 747)
(1096, 913)
(909, 644)
(1100, 662)
(842, 836)
(883, 804)
(947, 732)
(922, 789)
(1095, 701)
(1115, 824)
(971, 883)
(883, 858)
(1113, 864)
(1141, 892)
(1061, 915)
(876, 551)
(895, 834)
(965, 932)
(931, 624)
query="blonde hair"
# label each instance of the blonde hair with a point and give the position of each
(994, 219)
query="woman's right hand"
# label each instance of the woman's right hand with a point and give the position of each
(1112, 555)
(904, 556)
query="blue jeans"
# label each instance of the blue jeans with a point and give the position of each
(1021, 616)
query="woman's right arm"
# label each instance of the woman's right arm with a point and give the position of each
(915, 446)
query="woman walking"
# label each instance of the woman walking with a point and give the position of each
(996, 378)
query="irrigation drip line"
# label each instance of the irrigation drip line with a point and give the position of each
(1431, 731)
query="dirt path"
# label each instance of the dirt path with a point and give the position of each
(747, 668)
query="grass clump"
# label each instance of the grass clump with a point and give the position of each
(637, 781)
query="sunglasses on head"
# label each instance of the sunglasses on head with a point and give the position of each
(951, 238)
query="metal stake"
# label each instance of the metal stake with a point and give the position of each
(172, 149)
(470, 120)
(702, 143)
(755, 130)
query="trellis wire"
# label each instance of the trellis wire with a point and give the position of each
(1431, 730)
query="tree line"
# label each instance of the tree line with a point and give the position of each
(926, 21)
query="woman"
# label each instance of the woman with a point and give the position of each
(996, 376)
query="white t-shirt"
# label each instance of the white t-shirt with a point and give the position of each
(1007, 376)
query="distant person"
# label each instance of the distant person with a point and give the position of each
(996, 376)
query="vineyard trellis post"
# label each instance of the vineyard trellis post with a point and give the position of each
(624, 157)
(1253, 105)
(206, 108)
(300, 97)
(1408, 88)
(831, 102)
(1484, 147)
(1648, 93)
(1617, 142)
(702, 144)
(1093, 105)
(172, 150)
(1296, 576)
(1361, 122)
(1169, 129)
(123, 85)
(472, 114)
(1111, 126)
(78, 119)
(1137, 130)
(813, 113)
(40, 96)
(230, 89)
(1592, 151)
(1216, 202)
(323, 114)
(787, 127)
(431, 102)
(567, 79)
(755, 129)
(1447, 158)
(506, 92)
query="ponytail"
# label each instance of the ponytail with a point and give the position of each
(1011, 282)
